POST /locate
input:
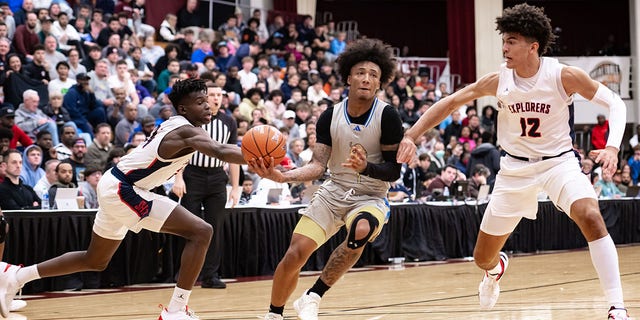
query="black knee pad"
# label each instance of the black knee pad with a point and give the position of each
(3, 229)
(352, 242)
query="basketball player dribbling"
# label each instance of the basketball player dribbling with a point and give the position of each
(126, 203)
(533, 128)
(360, 153)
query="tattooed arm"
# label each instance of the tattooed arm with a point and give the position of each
(311, 171)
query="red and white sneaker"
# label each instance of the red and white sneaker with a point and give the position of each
(8, 286)
(618, 314)
(183, 314)
(489, 289)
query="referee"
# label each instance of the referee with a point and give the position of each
(203, 186)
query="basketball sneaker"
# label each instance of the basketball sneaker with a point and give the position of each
(618, 314)
(489, 288)
(183, 314)
(307, 306)
(273, 316)
(17, 304)
(8, 286)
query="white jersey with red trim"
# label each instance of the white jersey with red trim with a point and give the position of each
(144, 168)
(534, 123)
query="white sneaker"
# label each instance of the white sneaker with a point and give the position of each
(489, 288)
(618, 314)
(273, 316)
(184, 314)
(307, 306)
(17, 304)
(8, 286)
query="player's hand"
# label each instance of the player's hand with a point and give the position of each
(607, 158)
(266, 168)
(179, 188)
(357, 160)
(234, 196)
(406, 150)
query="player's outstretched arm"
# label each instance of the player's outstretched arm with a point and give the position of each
(309, 172)
(485, 86)
(197, 138)
(575, 80)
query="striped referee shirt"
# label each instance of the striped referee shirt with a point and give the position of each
(223, 129)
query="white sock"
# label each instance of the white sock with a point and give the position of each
(497, 270)
(605, 260)
(179, 299)
(27, 274)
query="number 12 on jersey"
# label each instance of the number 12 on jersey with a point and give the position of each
(534, 125)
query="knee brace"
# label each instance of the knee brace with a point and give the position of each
(352, 242)
(3, 229)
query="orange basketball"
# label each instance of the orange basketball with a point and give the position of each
(263, 141)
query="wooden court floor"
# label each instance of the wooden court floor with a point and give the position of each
(558, 285)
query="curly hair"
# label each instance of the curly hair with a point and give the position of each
(182, 89)
(529, 21)
(372, 50)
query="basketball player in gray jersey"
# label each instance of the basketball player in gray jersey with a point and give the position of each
(360, 155)
(534, 94)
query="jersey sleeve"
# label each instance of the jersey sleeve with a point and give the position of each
(323, 127)
(392, 131)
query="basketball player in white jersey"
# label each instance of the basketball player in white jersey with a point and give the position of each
(127, 204)
(533, 128)
(360, 153)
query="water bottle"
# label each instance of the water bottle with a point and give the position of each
(445, 192)
(45, 199)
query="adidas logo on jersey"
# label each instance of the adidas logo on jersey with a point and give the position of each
(356, 127)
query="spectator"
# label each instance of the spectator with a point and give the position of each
(31, 170)
(112, 28)
(168, 31)
(63, 149)
(31, 119)
(289, 122)
(48, 179)
(38, 69)
(444, 180)
(150, 51)
(52, 56)
(173, 68)
(67, 36)
(489, 116)
(466, 140)
(98, 151)
(122, 80)
(76, 159)
(248, 79)
(97, 23)
(126, 126)
(64, 174)
(99, 83)
(338, 44)
(46, 24)
(479, 175)
(21, 15)
(315, 93)
(44, 141)
(25, 39)
(87, 188)
(252, 101)
(408, 114)
(488, 155)
(5, 139)
(296, 146)
(606, 188)
(15, 194)
(634, 164)
(415, 175)
(62, 82)
(85, 110)
(599, 134)
(188, 16)
(247, 191)
(114, 157)
(89, 62)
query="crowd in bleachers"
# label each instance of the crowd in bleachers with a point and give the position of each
(84, 82)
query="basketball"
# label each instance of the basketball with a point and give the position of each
(263, 141)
